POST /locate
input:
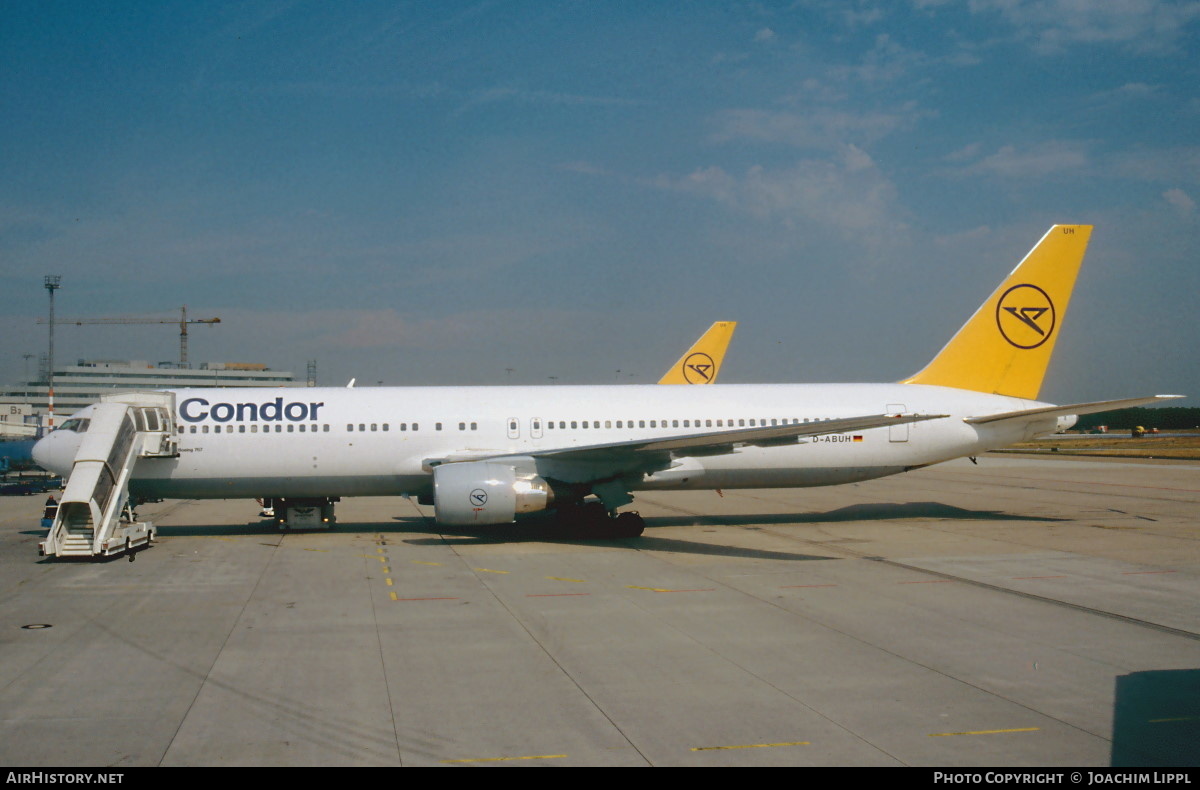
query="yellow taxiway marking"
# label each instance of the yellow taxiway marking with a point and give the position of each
(563, 579)
(324, 550)
(379, 550)
(389, 582)
(392, 595)
(419, 562)
(983, 732)
(386, 570)
(664, 589)
(489, 570)
(749, 746)
(503, 759)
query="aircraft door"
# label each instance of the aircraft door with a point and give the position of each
(897, 433)
(514, 428)
(535, 428)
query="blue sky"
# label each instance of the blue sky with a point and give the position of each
(437, 193)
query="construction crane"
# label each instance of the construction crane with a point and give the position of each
(183, 325)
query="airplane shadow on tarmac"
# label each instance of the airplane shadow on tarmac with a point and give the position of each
(544, 528)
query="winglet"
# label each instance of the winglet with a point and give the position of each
(1006, 346)
(701, 363)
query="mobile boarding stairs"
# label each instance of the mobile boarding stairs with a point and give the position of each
(94, 517)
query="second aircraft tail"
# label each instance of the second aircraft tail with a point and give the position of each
(701, 363)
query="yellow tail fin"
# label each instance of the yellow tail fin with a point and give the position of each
(1006, 346)
(701, 363)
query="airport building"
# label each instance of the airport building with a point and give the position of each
(23, 407)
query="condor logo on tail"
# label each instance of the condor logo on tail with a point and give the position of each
(1025, 315)
(699, 368)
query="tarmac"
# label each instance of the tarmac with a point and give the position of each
(1021, 612)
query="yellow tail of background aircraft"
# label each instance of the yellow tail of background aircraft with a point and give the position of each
(701, 363)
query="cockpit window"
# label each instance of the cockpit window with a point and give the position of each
(76, 424)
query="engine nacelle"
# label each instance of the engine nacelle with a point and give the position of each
(486, 492)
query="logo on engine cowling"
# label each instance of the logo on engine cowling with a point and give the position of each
(478, 497)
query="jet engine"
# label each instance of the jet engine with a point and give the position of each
(486, 492)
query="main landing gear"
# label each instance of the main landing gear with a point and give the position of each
(591, 520)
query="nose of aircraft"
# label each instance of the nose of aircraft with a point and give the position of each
(52, 453)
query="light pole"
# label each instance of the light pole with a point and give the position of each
(52, 282)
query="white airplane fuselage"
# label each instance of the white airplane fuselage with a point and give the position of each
(339, 442)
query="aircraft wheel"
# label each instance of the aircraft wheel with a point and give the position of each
(628, 525)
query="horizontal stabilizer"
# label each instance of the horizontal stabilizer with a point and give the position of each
(1070, 409)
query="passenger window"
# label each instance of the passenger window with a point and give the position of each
(462, 426)
(437, 426)
(474, 427)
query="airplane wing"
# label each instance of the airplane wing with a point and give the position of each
(1069, 409)
(599, 461)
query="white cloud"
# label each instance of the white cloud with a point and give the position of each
(1165, 164)
(766, 34)
(886, 62)
(1040, 159)
(1181, 201)
(823, 128)
(1053, 25)
(964, 154)
(848, 194)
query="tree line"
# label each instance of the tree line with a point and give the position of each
(1164, 418)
